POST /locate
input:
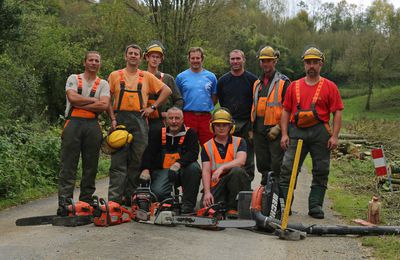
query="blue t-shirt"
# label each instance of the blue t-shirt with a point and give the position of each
(197, 89)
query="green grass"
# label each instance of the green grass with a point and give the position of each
(352, 183)
(385, 104)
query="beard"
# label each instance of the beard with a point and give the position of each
(311, 72)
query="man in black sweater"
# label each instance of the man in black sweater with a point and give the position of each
(171, 159)
(235, 92)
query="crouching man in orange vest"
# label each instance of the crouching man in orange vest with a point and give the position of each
(223, 158)
(171, 159)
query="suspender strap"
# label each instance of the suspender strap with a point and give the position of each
(163, 136)
(316, 95)
(95, 87)
(80, 83)
(139, 88)
(80, 87)
(122, 88)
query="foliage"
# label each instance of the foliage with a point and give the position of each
(384, 106)
(9, 23)
(30, 157)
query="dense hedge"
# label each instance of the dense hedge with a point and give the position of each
(30, 157)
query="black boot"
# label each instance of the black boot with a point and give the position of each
(315, 202)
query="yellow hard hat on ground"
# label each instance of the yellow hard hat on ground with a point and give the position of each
(116, 139)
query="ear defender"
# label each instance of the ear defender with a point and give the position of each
(222, 115)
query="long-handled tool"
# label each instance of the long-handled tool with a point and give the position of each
(284, 232)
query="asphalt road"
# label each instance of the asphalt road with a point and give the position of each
(145, 241)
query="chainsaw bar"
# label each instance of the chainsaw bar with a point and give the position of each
(242, 223)
(194, 221)
(34, 221)
(72, 221)
(68, 221)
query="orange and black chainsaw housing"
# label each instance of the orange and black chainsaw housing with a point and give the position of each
(144, 204)
(110, 214)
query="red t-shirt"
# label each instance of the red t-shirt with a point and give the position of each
(328, 101)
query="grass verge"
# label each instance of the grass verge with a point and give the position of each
(30, 194)
(352, 182)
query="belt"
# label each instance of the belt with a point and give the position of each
(198, 113)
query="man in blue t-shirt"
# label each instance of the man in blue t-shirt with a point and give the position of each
(198, 87)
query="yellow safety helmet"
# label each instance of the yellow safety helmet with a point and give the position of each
(155, 46)
(116, 139)
(313, 54)
(222, 115)
(268, 53)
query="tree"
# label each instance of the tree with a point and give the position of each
(173, 21)
(9, 23)
(366, 59)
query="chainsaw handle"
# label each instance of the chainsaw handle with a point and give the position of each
(73, 207)
(127, 212)
(103, 202)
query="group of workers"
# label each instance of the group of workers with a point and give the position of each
(169, 120)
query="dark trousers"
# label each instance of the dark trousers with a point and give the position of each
(269, 154)
(315, 140)
(125, 163)
(189, 179)
(80, 137)
(229, 186)
(242, 130)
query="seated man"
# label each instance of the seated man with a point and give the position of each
(171, 159)
(223, 158)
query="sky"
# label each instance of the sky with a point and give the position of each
(292, 7)
(364, 3)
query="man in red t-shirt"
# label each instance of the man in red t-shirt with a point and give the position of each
(308, 104)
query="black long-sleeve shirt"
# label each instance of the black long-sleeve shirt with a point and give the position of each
(152, 157)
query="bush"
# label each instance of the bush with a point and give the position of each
(30, 157)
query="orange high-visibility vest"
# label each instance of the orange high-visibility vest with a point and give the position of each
(128, 99)
(215, 158)
(170, 158)
(79, 112)
(269, 107)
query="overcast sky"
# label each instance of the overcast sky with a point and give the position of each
(364, 3)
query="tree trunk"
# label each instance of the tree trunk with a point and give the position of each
(370, 86)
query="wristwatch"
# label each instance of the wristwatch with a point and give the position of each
(153, 107)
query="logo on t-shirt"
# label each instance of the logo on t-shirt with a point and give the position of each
(208, 86)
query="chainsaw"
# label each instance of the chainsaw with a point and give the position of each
(110, 213)
(70, 214)
(211, 218)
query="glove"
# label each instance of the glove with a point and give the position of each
(173, 176)
(274, 132)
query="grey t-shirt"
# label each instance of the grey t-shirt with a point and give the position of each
(103, 89)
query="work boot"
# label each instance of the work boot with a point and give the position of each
(315, 202)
